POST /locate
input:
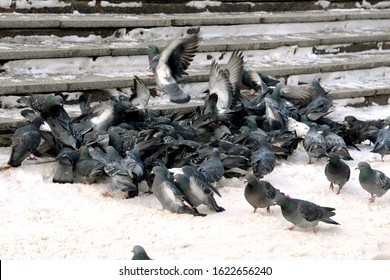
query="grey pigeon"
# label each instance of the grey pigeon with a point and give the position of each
(113, 167)
(141, 97)
(139, 253)
(51, 109)
(220, 85)
(382, 143)
(373, 181)
(196, 188)
(66, 161)
(90, 170)
(275, 110)
(263, 160)
(168, 194)
(337, 171)
(314, 143)
(335, 143)
(25, 141)
(254, 81)
(259, 193)
(303, 213)
(169, 65)
(212, 167)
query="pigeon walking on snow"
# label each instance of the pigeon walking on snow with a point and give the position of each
(382, 143)
(168, 194)
(259, 193)
(373, 181)
(337, 171)
(303, 213)
(196, 188)
(169, 65)
(25, 141)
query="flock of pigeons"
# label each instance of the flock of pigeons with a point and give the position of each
(183, 156)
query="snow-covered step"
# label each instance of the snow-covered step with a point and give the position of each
(28, 24)
(38, 47)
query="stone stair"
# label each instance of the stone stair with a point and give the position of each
(42, 52)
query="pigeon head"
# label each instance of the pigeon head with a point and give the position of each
(362, 166)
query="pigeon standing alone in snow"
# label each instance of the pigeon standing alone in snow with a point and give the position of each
(303, 213)
(373, 181)
(259, 193)
(25, 141)
(337, 171)
(139, 253)
(169, 65)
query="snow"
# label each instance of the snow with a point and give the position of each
(203, 4)
(42, 220)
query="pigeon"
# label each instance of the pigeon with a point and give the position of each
(299, 128)
(335, 143)
(275, 110)
(90, 170)
(140, 253)
(360, 131)
(314, 143)
(66, 161)
(25, 141)
(259, 193)
(169, 65)
(337, 171)
(196, 188)
(169, 195)
(220, 85)
(382, 143)
(303, 213)
(263, 160)
(253, 80)
(51, 109)
(212, 167)
(141, 97)
(373, 181)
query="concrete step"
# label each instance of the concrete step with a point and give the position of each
(164, 6)
(106, 24)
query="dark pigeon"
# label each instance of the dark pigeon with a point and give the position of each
(337, 171)
(212, 167)
(263, 160)
(335, 143)
(139, 253)
(66, 162)
(90, 170)
(314, 143)
(382, 143)
(25, 141)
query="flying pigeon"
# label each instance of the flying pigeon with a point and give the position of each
(25, 141)
(373, 181)
(66, 161)
(212, 167)
(140, 253)
(141, 96)
(314, 143)
(259, 193)
(382, 143)
(337, 171)
(169, 195)
(303, 213)
(169, 65)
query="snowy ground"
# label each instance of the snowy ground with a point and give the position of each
(42, 220)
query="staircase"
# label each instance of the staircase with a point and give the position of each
(80, 46)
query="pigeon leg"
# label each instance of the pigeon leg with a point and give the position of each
(372, 198)
(291, 228)
(254, 210)
(338, 192)
(107, 194)
(149, 191)
(151, 75)
(331, 187)
(310, 162)
(31, 157)
(315, 230)
(268, 210)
